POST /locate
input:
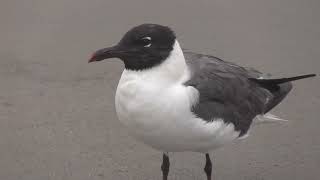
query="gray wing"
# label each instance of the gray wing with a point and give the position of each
(227, 92)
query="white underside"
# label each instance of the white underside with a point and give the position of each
(155, 106)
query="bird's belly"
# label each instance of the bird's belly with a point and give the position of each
(195, 137)
(166, 123)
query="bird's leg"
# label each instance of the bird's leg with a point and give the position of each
(208, 167)
(165, 166)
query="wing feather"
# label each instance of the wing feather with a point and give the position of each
(226, 91)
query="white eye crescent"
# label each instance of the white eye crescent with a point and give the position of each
(147, 40)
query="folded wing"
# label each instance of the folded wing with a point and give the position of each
(230, 92)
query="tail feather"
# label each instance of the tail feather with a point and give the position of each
(268, 118)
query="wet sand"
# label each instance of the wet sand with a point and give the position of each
(57, 115)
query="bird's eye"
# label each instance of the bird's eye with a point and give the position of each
(146, 41)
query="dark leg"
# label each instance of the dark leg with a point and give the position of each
(208, 167)
(165, 166)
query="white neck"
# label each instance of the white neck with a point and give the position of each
(171, 70)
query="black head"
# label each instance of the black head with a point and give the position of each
(142, 47)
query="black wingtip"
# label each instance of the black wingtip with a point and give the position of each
(305, 76)
(282, 80)
(297, 78)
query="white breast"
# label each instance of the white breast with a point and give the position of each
(155, 106)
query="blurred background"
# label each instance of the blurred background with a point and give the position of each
(57, 115)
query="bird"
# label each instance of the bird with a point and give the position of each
(176, 100)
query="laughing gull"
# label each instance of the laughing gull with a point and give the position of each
(176, 100)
